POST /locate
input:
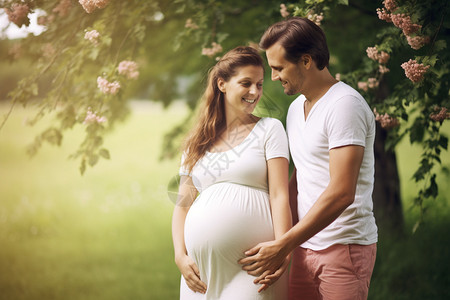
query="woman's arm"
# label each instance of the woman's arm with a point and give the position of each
(278, 174)
(278, 177)
(186, 196)
(293, 193)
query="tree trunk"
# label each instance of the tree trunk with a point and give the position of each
(386, 194)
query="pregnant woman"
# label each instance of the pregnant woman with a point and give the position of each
(233, 190)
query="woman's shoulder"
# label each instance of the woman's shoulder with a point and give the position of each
(269, 121)
(271, 125)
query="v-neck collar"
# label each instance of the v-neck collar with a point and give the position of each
(305, 119)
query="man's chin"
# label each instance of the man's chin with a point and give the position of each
(289, 92)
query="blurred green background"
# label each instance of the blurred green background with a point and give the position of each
(106, 235)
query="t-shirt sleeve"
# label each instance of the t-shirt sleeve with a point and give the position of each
(348, 123)
(276, 141)
(183, 170)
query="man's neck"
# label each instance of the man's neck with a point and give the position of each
(320, 82)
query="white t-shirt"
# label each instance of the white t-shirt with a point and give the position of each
(340, 118)
(246, 163)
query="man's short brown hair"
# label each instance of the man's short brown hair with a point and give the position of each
(298, 36)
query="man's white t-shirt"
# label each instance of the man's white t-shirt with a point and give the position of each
(340, 118)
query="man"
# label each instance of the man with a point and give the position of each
(331, 132)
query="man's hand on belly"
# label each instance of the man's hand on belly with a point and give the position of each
(266, 261)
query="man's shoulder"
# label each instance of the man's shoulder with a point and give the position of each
(345, 90)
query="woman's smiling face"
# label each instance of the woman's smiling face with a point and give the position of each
(243, 91)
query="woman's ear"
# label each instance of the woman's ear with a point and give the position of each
(221, 84)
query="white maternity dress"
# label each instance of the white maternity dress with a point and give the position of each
(232, 214)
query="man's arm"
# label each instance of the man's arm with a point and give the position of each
(345, 163)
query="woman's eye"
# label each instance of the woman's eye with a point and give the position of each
(245, 84)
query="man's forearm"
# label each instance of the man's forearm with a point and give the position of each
(327, 208)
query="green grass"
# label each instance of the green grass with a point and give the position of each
(106, 235)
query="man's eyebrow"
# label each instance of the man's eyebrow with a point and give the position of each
(275, 67)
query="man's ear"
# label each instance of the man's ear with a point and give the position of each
(221, 84)
(306, 61)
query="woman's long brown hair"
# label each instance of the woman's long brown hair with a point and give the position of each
(211, 117)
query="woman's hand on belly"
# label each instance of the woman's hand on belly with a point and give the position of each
(191, 274)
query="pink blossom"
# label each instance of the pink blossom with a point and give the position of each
(372, 53)
(418, 41)
(380, 56)
(440, 114)
(382, 69)
(283, 11)
(101, 3)
(18, 14)
(383, 57)
(42, 20)
(190, 24)
(386, 121)
(88, 5)
(62, 8)
(404, 22)
(317, 19)
(108, 87)
(372, 83)
(92, 117)
(363, 86)
(384, 15)
(337, 76)
(216, 48)
(390, 5)
(129, 69)
(92, 36)
(48, 50)
(45, 20)
(414, 71)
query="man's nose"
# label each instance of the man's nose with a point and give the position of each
(275, 76)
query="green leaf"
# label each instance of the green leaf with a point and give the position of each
(221, 37)
(106, 40)
(417, 131)
(443, 142)
(98, 141)
(93, 159)
(416, 226)
(83, 166)
(104, 153)
(53, 136)
(343, 2)
(430, 60)
(440, 45)
(432, 190)
(94, 53)
(34, 89)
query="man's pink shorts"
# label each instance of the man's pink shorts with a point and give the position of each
(339, 272)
